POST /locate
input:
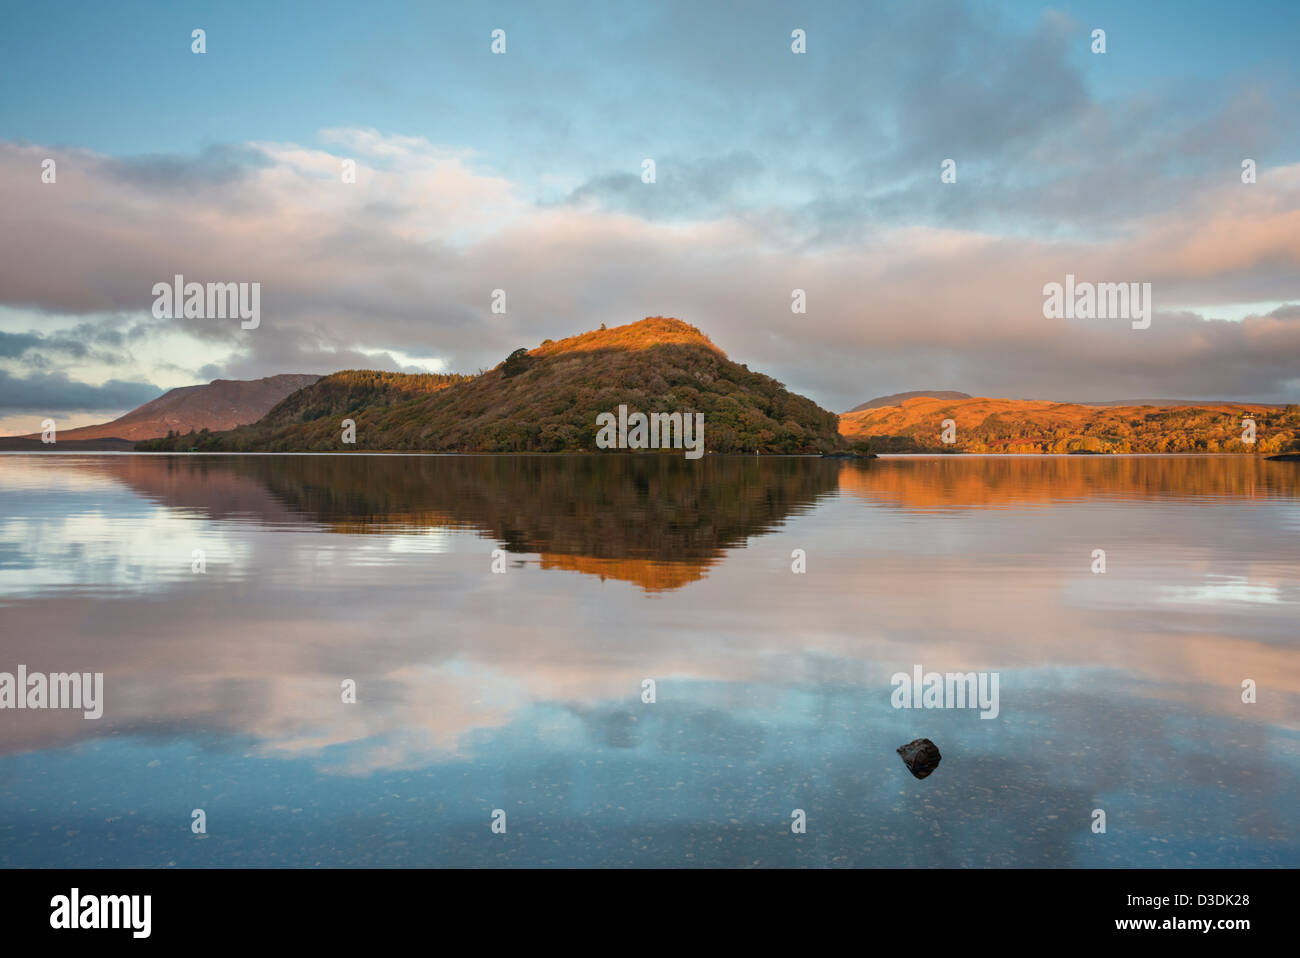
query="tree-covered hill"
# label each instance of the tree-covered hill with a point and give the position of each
(542, 400)
(1031, 426)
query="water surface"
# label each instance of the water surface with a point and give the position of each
(522, 690)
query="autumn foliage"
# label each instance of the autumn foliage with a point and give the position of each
(1024, 426)
(544, 400)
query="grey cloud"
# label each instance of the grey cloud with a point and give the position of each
(1181, 356)
(890, 308)
(216, 166)
(77, 342)
(56, 392)
(1287, 311)
(682, 187)
(856, 129)
(293, 347)
(13, 345)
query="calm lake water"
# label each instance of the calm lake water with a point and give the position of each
(522, 690)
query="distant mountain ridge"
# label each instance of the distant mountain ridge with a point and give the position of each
(895, 399)
(221, 404)
(543, 400)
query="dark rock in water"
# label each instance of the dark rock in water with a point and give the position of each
(921, 756)
(1285, 457)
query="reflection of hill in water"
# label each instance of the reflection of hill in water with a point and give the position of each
(953, 482)
(659, 521)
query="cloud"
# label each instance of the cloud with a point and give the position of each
(55, 392)
(404, 262)
(436, 676)
(13, 345)
(78, 342)
(683, 188)
(215, 167)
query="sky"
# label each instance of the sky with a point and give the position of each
(774, 171)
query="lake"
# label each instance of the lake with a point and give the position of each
(498, 618)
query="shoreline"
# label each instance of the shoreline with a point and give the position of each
(1283, 457)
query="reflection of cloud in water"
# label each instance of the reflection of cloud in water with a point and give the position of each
(1109, 683)
(1222, 589)
(99, 552)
